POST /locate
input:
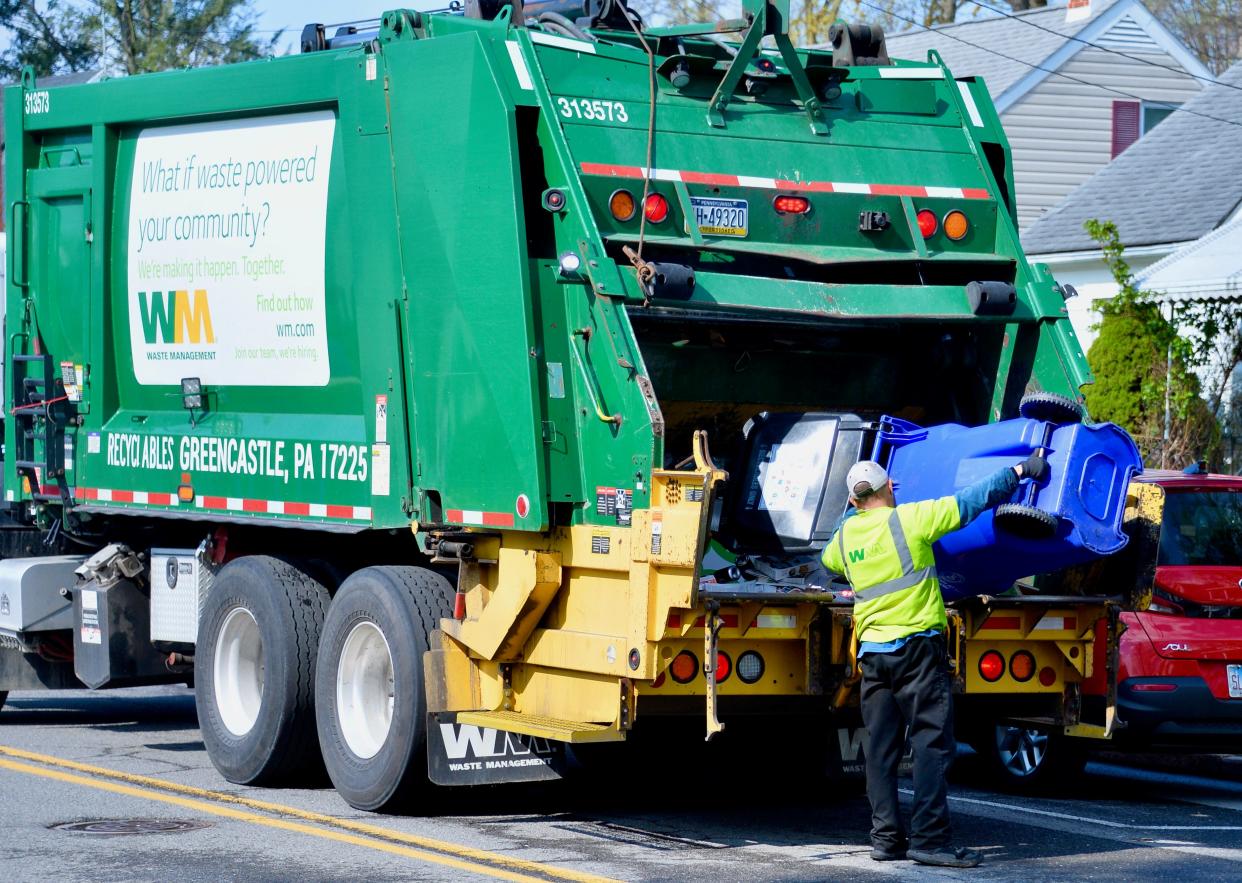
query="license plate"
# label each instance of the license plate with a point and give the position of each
(721, 217)
(1233, 674)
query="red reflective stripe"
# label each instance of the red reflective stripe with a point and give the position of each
(122, 496)
(975, 193)
(709, 178)
(80, 493)
(674, 621)
(335, 511)
(1071, 622)
(254, 505)
(297, 508)
(215, 502)
(596, 168)
(454, 515)
(160, 499)
(818, 187)
(1002, 622)
(498, 519)
(729, 620)
(789, 185)
(897, 190)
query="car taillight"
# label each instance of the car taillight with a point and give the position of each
(956, 226)
(1162, 602)
(927, 222)
(724, 666)
(622, 205)
(991, 666)
(684, 667)
(656, 208)
(791, 205)
(1022, 666)
(1153, 688)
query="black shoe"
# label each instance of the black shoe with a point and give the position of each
(888, 854)
(946, 857)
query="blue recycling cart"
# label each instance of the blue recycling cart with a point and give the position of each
(1071, 517)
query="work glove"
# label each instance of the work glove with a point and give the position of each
(1033, 467)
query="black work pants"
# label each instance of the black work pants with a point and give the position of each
(910, 687)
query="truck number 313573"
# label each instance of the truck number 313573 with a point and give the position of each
(38, 102)
(593, 109)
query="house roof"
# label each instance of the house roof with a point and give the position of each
(1176, 183)
(1014, 53)
(1210, 268)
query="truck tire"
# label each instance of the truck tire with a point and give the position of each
(370, 702)
(1030, 760)
(255, 667)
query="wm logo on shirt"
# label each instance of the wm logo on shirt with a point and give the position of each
(176, 317)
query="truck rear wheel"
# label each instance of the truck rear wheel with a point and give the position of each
(369, 692)
(254, 685)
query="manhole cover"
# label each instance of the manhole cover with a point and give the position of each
(120, 827)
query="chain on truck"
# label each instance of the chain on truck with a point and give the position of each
(370, 388)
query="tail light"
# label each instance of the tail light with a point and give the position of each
(724, 666)
(684, 668)
(791, 205)
(1163, 602)
(750, 667)
(656, 208)
(956, 226)
(622, 205)
(1153, 688)
(927, 223)
(1022, 666)
(991, 666)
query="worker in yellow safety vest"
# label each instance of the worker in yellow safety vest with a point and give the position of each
(885, 551)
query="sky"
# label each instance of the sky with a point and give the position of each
(293, 14)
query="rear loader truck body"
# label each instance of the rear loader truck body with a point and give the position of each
(373, 385)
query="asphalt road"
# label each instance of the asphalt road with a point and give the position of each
(77, 757)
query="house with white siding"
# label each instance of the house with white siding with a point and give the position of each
(1072, 93)
(1173, 188)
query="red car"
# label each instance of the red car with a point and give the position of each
(1180, 677)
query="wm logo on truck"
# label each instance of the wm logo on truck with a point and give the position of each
(176, 317)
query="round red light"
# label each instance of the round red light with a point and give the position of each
(724, 666)
(656, 208)
(684, 667)
(927, 223)
(991, 666)
(1047, 676)
(791, 205)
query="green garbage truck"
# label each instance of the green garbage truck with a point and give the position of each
(390, 391)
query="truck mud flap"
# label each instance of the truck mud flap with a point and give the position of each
(465, 754)
(846, 759)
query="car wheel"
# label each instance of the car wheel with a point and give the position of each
(370, 701)
(254, 672)
(1031, 759)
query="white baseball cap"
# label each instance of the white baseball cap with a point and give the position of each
(865, 472)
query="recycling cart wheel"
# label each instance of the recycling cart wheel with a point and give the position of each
(370, 703)
(1024, 521)
(1050, 407)
(254, 672)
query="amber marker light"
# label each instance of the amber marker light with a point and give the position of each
(622, 205)
(684, 667)
(956, 226)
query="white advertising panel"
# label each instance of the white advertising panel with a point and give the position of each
(227, 225)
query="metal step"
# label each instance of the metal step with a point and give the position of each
(542, 727)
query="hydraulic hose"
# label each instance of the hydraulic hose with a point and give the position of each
(556, 18)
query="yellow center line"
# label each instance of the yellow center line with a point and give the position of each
(254, 818)
(462, 852)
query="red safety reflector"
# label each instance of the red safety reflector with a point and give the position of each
(991, 666)
(659, 680)
(1047, 676)
(791, 205)
(1153, 688)
(684, 668)
(927, 223)
(724, 666)
(656, 208)
(1001, 623)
